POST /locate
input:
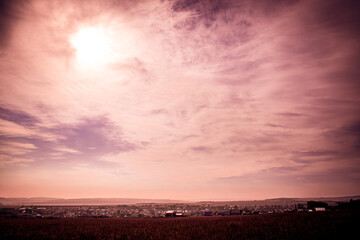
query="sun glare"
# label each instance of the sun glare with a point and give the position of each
(92, 46)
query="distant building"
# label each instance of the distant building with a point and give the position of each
(235, 212)
(179, 214)
(208, 213)
(170, 213)
(319, 209)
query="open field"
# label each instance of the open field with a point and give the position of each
(319, 225)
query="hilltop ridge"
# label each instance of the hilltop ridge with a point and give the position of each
(123, 201)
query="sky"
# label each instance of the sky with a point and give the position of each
(179, 99)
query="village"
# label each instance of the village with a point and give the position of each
(151, 210)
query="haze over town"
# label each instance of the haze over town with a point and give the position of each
(179, 99)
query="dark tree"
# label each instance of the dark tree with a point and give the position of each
(315, 204)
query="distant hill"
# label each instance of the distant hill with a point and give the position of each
(323, 199)
(82, 201)
(127, 201)
(280, 201)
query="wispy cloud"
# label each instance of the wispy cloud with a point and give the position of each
(16, 148)
(13, 130)
(6, 161)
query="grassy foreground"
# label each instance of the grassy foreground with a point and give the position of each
(320, 225)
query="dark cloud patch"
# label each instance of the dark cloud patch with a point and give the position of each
(338, 15)
(274, 125)
(228, 8)
(10, 12)
(353, 128)
(270, 175)
(228, 26)
(331, 101)
(17, 116)
(290, 114)
(346, 137)
(255, 140)
(203, 149)
(85, 142)
(294, 176)
(345, 78)
(211, 13)
(331, 29)
(201, 6)
(316, 153)
(308, 157)
(341, 175)
(272, 7)
(99, 136)
(348, 134)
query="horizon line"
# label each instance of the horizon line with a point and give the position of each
(183, 200)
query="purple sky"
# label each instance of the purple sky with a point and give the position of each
(186, 99)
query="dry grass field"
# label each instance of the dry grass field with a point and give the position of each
(302, 225)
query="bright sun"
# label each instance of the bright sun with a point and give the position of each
(92, 46)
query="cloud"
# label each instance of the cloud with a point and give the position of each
(12, 130)
(6, 161)
(18, 117)
(16, 148)
(98, 135)
(203, 149)
(347, 135)
(297, 181)
(86, 140)
(61, 150)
